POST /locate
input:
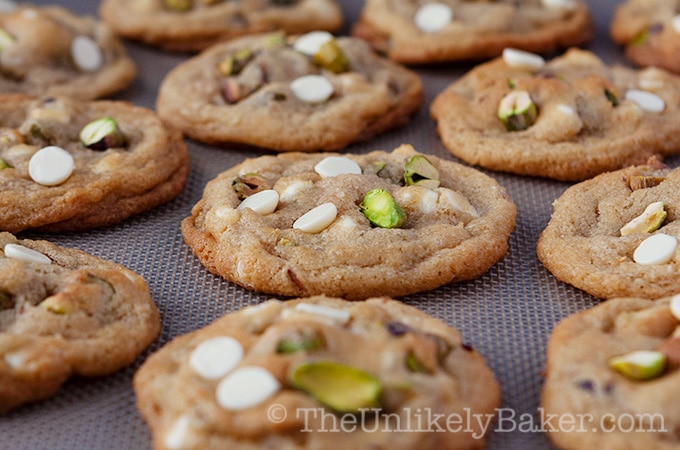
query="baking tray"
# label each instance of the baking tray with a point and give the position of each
(507, 314)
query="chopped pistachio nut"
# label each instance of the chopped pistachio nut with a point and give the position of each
(234, 64)
(102, 134)
(3, 165)
(420, 171)
(382, 210)
(374, 169)
(517, 111)
(644, 181)
(301, 343)
(179, 5)
(650, 220)
(343, 388)
(6, 39)
(58, 304)
(248, 184)
(639, 365)
(640, 39)
(611, 97)
(414, 365)
(106, 287)
(331, 57)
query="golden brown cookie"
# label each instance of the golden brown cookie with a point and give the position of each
(616, 235)
(68, 165)
(318, 372)
(50, 51)
(66, 313)
(570, 118)
(192, 25)
(417, 32)
(308, 93)
(649, 30)
(351, 226)
(611, 376)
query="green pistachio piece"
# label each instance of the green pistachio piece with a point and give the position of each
(343, 388)
(640, 365)
(517, 111)
(375, 168)
(640, 39)
(301, 343)
(102, 134)
(644, 181)
(179, 5)
(234, 64)
(3, 165)
(382, 210)
(249, 184)
(6, 39)
(420, 171)
(58, 304)
(106, 287)
(414, 365)
(611, 97)
(650, 220)
(331, 57)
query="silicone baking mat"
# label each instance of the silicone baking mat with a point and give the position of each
(507, 314)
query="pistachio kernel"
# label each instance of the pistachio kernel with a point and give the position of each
(414, 365)
(102, 134)
(640, 364)
(343, 388)
(517, 111)
(3, 164)
(644, 181)
(59, 303)
(382, 210)
(6, 39)
(421, 172)
(179, 5)
(248, 184)
(611, 97)
(331, 57)
(375, 168)
(650, 220)
(302, 342)
(234, 64)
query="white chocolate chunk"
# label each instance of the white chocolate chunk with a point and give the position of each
(216, 357)
(310, 43)
(16, 360)
(340, 316)
(432, 17)
(675, 306)
(646, 100)
(263, 202)
(50, 166)
(246, 387)
(86, 53)
(25, 254)
(520, 59)
(7, 6)
(336, 165)
(566, 109)
(317, 219)
(676, 23)
(656, 249)
(566, 5)
(177, 437)
(450, 199)
(290, 189)
(312, 88)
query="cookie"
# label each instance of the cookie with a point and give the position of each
(50, 51)
(193, 25)
(648, 31)
(285, 374)
(616, 234)
(313, 92)
(418, 32)
(568, 119)
(69, 165)
(351, 226)
(612, 374)
(66, 313)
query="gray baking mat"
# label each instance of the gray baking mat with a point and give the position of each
(507, 314)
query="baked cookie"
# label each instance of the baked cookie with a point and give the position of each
(50, 51)
(351, 226)
(612, 375)
(616, 234)
(64, 313)
(649, 30)
(192, 25)
(569, 119)
(417, 32)
(68, 165)
(312, 92)
(318, 372)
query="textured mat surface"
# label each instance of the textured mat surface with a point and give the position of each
(507, 314)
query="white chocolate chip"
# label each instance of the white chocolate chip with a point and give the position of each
(675, 306)
(290, 190)
(566, 5)
(340, 316)
(646, 100)
(520, 59)
(246, 387)
(50, 166)
(263, 202)
(656, 249)
(177, 437)
(566, 109)
(86, 53)
(676, 23)
(29, 13)
(312, 88)
(317, 219)
(7, 6)
(16, 360)
(216, 357)
(336, 165)
(450, 199)
(25, 254)
(310, 43)
(432, 17)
